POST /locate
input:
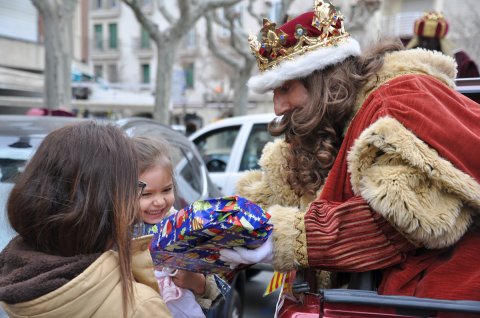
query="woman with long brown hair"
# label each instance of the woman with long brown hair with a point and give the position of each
(74, 207)
(376, 172)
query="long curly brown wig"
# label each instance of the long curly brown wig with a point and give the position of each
(315, 131)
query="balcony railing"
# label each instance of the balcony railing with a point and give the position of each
(143, 44)
(144, 48)
(105, 47)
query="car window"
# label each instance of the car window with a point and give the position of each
(188, 176)
(216, 147)
(259, 136)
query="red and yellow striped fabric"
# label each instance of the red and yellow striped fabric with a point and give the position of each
(275, 283)
(279, 279)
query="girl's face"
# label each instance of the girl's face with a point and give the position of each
(157, 198)
(290, 95)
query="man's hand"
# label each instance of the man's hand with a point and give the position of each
(241, 255)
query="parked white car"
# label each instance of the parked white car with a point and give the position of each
(232, 146)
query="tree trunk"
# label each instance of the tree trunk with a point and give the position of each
(57, 18)
(166, 54)
(240, 95)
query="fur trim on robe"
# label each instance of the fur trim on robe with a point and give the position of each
(420, 61)
(421, 194)
(269, 189)
(270, 186)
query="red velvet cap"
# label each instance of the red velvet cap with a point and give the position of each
(312, 41)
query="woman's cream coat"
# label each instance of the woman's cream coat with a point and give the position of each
(97, 291)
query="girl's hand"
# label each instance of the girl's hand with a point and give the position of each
(188, 280)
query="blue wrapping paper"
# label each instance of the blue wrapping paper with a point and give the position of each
(191, 238)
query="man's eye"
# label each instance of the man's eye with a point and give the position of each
(284, 88)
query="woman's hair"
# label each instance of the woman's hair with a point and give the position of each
(78, 195)
(152, 151)
(315, 131)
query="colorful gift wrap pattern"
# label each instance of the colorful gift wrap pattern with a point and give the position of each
(191, 238)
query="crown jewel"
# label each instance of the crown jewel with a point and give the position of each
(321, 28)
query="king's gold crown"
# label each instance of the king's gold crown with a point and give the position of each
(321, 28)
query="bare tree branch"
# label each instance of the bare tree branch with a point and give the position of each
(168, 40)
(237, 34)
(220, 54)
(464, 29)
(191, 11)
(361, 13)
(208, 5)
(164, 11)
(283, 16)
(186, 8)
(253, 14)
(217, 19)
(243, 61)
(148, 24)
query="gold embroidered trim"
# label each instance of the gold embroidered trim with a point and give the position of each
(301, 254)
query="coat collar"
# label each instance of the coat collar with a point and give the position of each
(407, 62)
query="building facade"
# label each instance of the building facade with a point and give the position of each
(22, 53)
(122, 53)
(108, 42)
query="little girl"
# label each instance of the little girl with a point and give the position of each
(185, 293)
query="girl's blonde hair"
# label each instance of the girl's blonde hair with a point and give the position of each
(152, 151)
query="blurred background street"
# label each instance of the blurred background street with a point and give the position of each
(111, 65)
(257, 306)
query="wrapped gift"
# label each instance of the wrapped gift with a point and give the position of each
(191, 238)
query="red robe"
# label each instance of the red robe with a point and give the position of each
(345, 234)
